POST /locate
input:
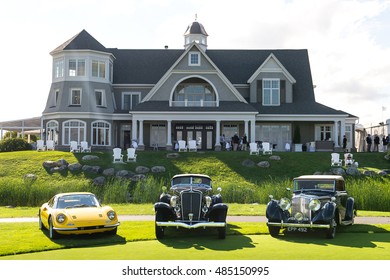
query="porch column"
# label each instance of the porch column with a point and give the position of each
(253, 130)
(342, 132)
(169, 135)
(217, 146)
(141, 133)
(134, 129)
(336, 134)
(246, 131)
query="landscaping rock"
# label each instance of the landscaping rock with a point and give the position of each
(109, 172)
(124, 174)
(158, 169)
(30, 178)
(138, 177)
(274, 157)
(352, 171)
(173, 155)
(248, 163)
(90, 157)
(49, 164)
(99, 181)
(142, 169)
(338, 171)
(73, 167)
(62, 162)
(369, 173)
(92, 169)
(264, 164)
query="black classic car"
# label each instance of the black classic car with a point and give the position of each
(190, 204)
(318, 202)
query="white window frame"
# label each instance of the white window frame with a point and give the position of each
(103, 97)
(101, 69)
(78, 69)
(322, 131)
(190, 61)
(80, 128)
(131, 94)
(271, 88)
(59, 69)
(104, 131)
(72, 90)
(55, 97)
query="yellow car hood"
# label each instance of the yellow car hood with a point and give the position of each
(88, 216)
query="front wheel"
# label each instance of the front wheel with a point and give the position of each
(41, 227)
(52, 233)
(274, 231)
(160, 217)
(331, 232)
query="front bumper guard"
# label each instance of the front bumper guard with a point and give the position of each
(296, 225)
(191, 225)
(87, 227)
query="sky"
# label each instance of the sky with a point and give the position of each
(347, 40)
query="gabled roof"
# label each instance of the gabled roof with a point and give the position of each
(279, 68)
(81, 41)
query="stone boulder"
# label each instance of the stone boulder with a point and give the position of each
(92, 169)
(74, 167)
(274, 157)
(142, 169)
(248, 163)
(138, 177)
(90, 157)
(99, 181)
(338, 171)
(172, 155)
(109, 172)
(158, 169)
(264, 164)
(352, 171)
(31, 178)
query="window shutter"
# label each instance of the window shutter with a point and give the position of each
(282, 91)
(260, 91)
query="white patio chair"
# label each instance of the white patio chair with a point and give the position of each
(267, 148)
(74, 147)
(192, 146)
(117, 155)
(131, 155)
(41, 145)
(253, 148)
(84, 147)
(335, 159)
(287, 147)
(348, 159)
(228, 146)
(182, 146)
(50, 145)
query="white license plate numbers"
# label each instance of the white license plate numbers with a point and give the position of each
(299, 229)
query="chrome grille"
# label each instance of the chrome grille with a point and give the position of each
(191, 202)
(301, 204)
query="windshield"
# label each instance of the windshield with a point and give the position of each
(323, 185)
(77, 200)
(192, 180)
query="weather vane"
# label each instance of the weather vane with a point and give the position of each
(196, 17)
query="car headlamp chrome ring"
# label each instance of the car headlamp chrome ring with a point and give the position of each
(314, 204)
(285, 204)
(208, 201)
(111, 215)
(298, 216)
(173, 201)
(61, 218)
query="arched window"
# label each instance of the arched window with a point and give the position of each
(74, 130)
(194, 92)
(52, 131)
(101, 132)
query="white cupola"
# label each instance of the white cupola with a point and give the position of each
(195, 33)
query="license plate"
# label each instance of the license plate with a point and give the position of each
(300, 229)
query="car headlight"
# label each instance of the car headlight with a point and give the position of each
(111, 215)
(314, 204)
(173, 201)
(298, 216)
(284, 203)
(60, 218)
(208, 201)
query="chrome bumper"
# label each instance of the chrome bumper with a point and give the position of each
(87, 228)
(191, 225)
(286, 225)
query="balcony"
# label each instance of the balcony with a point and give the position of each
(187, 103)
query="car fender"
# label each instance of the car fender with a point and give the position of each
(218, 212)
(349, 209)
(164, 208)
(274, 212)
(326, 213)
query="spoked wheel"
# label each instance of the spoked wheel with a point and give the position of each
(222, 232)
(331, 232)
(52, 233)
(274, 231)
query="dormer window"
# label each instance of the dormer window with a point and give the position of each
(194, 59)
(271, 92)
(98, 69)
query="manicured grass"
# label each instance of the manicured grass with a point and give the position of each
(245, 241)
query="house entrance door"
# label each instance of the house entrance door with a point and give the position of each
(202, 133)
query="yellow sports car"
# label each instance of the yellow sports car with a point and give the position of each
(76, 213)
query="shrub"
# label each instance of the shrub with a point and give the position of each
(14, 144)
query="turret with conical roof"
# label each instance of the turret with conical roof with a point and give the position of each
(196, 33)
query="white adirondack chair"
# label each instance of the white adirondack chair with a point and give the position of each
(41, 145)
(50, 145)
(253, 148)
(335, 159)
(117, 155)
(74, 147)
(267, 148)
(131, 155)
(182, 146)
(192, 146)
(84, 147)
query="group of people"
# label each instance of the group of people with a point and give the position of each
(236, 143)
(376, 140)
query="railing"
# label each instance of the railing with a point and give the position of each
(187, 103)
